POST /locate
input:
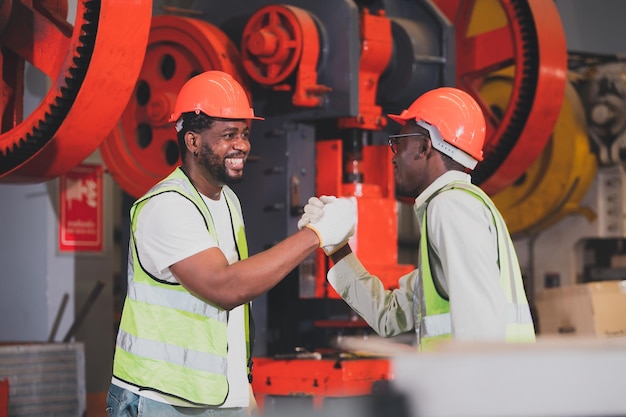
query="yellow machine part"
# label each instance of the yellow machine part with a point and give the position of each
(555, 184)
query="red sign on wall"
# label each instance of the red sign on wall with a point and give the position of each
(80, 207)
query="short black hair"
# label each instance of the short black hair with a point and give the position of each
(451, 164)
(192, 122)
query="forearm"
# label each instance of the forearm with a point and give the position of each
(387, 312)
(261, 272)
(247, 279)
(209, 275)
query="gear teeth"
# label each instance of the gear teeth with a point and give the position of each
(43, 130)
(527, 90)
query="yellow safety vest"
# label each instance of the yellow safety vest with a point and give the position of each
(170, 341)
(433, 310)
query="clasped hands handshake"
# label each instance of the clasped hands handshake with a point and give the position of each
(332, 219)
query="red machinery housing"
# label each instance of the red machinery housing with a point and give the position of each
(314, 383)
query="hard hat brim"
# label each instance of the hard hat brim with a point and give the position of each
(398, 118)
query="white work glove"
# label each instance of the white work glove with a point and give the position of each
(313, 211)
(335, 225)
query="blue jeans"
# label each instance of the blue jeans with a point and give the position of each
(123, 403)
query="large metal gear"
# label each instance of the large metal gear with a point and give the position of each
(92, 67)
(556, 183)
(525, 35)
(143, 148)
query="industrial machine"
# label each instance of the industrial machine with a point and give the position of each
(323, 74)
(587, 243)
(83, 101)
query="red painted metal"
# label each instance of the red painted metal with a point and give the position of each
(43, 38)
(281, 39)
(375, 240)
(317, 379)
(480, 55)
(376, 47)
(143, 148)
(4, 397)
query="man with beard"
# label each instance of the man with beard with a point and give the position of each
(468, 284)
(184, 341)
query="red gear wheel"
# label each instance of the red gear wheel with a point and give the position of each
(92, 66)
(533, 42)
(143, 148)
(272, 42)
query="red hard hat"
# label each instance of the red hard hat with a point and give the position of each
(216, 94)
(455, 114)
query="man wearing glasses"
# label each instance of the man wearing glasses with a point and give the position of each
(468, 284)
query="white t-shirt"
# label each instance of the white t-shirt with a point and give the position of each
(169, 229)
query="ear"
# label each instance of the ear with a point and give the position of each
(191, 141)
(426, 148)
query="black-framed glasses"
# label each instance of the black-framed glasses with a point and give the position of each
(392, 140)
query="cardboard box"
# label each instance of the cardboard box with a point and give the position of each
(591, 309)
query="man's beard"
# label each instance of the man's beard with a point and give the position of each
(216, 166)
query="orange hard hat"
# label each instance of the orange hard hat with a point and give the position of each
(452, 116)
(216, 94)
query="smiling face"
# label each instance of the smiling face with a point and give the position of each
(223, 150)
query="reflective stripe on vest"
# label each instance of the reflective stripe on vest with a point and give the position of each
(169, 340)
(434, 310)
(441, 325)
